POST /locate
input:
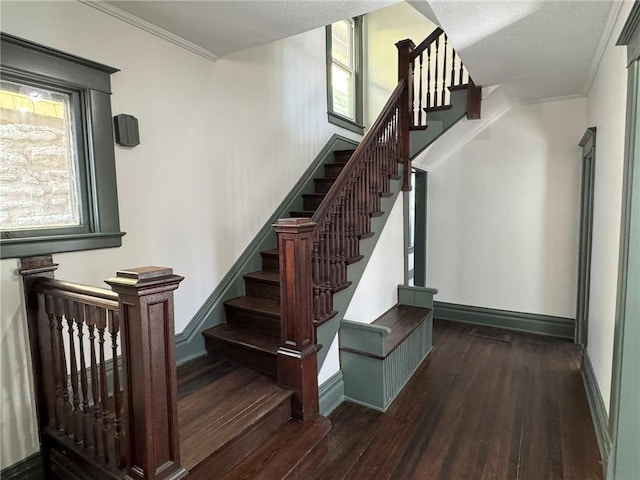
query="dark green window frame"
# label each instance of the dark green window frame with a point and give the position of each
(355, 124)
(89, 85)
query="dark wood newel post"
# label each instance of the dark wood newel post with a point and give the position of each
(405, 72)
(31, 269)
(297, 356)
(149, 365)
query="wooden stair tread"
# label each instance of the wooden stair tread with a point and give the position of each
(211, 418)
(402, 320)
(264, 275)
(439, 108)
(243, 337)
(301, 214)
(282, 453)
(259, 305)
(462, 86)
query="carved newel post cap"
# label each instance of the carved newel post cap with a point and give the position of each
(144, 277)
(293, 224)
(407, 42)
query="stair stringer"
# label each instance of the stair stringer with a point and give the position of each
(190, 343)
(327, 332)
(439, 122)
(495, 103)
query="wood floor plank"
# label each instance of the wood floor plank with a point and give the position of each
(476, 409)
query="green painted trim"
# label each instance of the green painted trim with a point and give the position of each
(417, 296)
(344, 122)
(357, 124)
(587, 192)
(420, 234)
(89, 84)
(631, 26)
(523, 322)
(29, 468)
(624, 416)
(189, 342)
(597, 408)
(363, 404)
(331, 393)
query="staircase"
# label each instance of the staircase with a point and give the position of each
(243, 352)
(249, 408)
(252, 332)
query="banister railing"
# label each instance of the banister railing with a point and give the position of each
(105, 398)
(344, 214)
(436, 68)
(314, 253)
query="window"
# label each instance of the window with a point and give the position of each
(57, 166)
(344, 73)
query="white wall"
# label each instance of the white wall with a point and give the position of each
(377, 291)
(606, 111)
(384, 28)
(503, 212)
(221, 145)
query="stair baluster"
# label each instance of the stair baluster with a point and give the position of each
(435, 76)
(420, 111)
(453, 66)
(444, 71)
(428, 102)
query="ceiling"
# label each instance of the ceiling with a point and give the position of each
(535, 49)
(223, 27)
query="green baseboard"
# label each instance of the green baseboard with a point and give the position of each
(331, 393)
(189, 342)
(598, 410)
(523, 322)
(28, 469)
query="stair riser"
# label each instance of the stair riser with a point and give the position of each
(311, 203)
(232, 453)
(258, 288)
(259, 361)
(333, 171)
(270, 263)
(342, 157)
(253, 321)
(323, 185)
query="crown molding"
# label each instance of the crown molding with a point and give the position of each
(614, 11)
(148, 27)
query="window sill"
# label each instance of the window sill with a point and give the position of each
(345, 122)
(24, 247)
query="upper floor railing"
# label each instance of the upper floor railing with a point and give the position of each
(436, 69)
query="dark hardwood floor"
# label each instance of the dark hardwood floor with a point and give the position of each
(476, 409)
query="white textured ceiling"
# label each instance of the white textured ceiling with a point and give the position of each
(224, 27)
(537, 49)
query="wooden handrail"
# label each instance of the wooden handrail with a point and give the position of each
(422, 46)
(87, 295)
(329, 199)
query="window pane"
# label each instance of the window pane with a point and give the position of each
(38, 166)
(342, 83)
(341, 42)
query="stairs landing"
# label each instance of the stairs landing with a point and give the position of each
(233, 419)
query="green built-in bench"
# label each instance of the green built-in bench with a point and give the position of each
(377, 359)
